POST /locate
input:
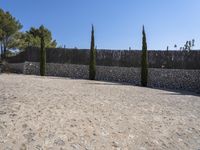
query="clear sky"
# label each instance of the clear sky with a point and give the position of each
(118, 23)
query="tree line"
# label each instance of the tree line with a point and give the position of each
(11, 37)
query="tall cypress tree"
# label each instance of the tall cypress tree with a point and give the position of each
(92, 65)
(144, 63)
(42, 53)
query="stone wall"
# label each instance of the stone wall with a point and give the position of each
(12, 67)
(161, 78)
(120, 58)
(175, 79)
(61, 70)
(15, 67)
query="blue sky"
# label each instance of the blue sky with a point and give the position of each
(118, 23)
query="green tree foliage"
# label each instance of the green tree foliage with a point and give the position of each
(9, 26)
(29, 39)
(92, 65)
(42, 33)
(32, 40)
(144, 63)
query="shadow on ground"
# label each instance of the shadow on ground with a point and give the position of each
(110, 83)
(172, 91)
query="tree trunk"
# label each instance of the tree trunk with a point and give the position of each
(4, 53)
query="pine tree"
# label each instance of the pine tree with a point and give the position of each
(144, 63)
(42, 54)
(92, 65)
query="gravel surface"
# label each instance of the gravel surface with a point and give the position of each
(49, 113)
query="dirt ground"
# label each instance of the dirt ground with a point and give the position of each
(49, 113)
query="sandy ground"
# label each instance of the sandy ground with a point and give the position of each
(48, 113)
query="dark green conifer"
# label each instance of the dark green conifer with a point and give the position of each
(92, 65)
(144, 63)
(42, 53)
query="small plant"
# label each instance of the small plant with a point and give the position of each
(144, 64)
(92, 65)
(188, 45)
